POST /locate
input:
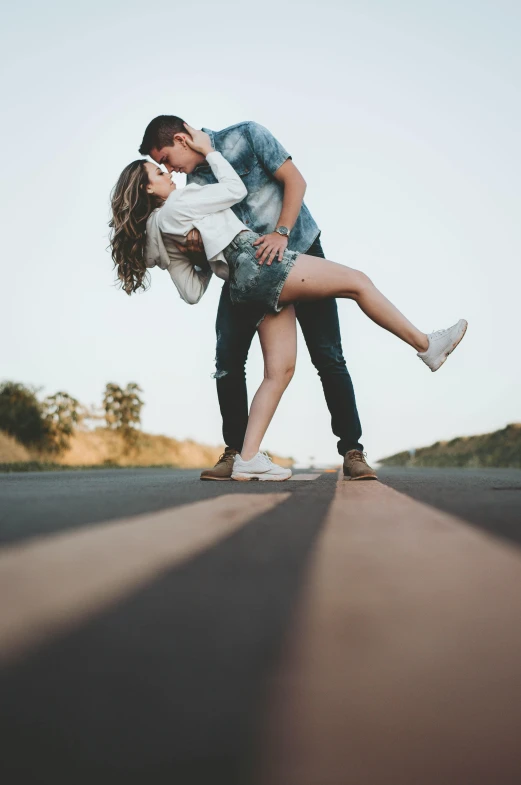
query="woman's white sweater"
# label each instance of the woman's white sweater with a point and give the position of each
(203, 207)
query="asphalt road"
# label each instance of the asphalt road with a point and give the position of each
(36, 504)
(488, 498)
(168, 682)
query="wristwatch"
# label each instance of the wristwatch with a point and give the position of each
(284, 231)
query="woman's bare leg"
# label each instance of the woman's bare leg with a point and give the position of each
(278, 337)
(311, 278)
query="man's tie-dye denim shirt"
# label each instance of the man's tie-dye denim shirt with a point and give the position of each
(256, 155)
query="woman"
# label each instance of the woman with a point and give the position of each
(150, 216)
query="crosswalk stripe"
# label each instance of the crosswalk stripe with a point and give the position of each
(304, 477)
(403, 665)
(59, 581)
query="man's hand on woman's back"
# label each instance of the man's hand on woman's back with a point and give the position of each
(194, 244)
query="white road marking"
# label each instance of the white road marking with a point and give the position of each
(403, 665)
(304, 477)
(52, 583)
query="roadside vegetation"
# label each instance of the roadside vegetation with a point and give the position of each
(57, 432)
(501, 449)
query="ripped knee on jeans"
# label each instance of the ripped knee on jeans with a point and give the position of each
(219, 374)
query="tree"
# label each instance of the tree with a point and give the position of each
(21, 415)
(123, 410)
(44, 426)
(61, 415)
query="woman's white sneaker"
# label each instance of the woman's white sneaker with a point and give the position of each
(260, 467)
(442, 343)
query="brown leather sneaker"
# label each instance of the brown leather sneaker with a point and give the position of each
(223, 468)
(356, 467)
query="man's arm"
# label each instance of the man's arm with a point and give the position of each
(277, 162)
(294, 190)
(194, 247)
(272, 246)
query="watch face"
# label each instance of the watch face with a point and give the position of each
(283, 230)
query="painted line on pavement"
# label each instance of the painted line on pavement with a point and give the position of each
(303, 477)
(403, 665)
(56, 582)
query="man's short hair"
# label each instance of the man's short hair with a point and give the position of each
(160, 133)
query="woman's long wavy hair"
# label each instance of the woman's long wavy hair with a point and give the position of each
(131, 207)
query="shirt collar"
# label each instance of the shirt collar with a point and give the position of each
(211, 134)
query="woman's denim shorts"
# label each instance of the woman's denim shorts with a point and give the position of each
(251, 282)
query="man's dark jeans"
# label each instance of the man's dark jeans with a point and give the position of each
(235, 328)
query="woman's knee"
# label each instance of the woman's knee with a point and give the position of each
(289, 373)
(280, 376)
(361, 284)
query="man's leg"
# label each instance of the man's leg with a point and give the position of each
(321, 330)
(235, 327)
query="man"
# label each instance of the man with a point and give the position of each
(275, 209)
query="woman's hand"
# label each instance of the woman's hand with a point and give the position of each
(199, 141)
(271, 246)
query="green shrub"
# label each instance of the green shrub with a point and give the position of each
(44, 426)
(21, 415)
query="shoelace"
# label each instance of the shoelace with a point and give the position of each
(437, 334)
(359, 456)
(266, 457)
(224, 457)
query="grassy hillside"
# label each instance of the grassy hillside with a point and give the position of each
(12, 451)
(103, 447)
(498, 449)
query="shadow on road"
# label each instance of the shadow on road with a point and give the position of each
(169, 684)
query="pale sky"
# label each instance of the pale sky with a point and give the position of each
(403, 117)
